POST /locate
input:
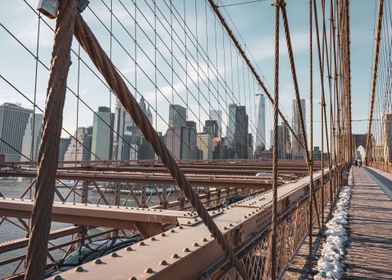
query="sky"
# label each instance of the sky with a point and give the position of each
(187, 77)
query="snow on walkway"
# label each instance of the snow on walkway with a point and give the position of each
(330, 264)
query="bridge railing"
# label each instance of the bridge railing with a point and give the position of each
(292, 232)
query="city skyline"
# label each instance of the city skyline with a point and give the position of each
(182, 137)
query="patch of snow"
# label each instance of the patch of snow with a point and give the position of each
(330, 264)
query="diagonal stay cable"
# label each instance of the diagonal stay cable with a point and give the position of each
(37, 250)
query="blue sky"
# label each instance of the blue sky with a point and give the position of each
(254, 23)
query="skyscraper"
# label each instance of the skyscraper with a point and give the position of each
(177, 115)
(13, 120)
(286, 140)
(284, 143)
(241, 133)
(79, 150)
(217, 116)
(173, 141)
(33, 130)
(145, 150)
(127, 137)
(101, 146)
(122, 127)
(178, 134)
(250, 145)
(231, 122)
(211, 127)
(145, 108)
(189, 141)
(205, 145)
(181, 136)
(64, 143)
(260, 133)
(297, 151)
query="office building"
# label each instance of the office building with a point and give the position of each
(297, 151)
(189, 136)
(181, 136)
(284, 141)
(250, 145)
(145, 150)
(211, 127)
(13, 121)
(216, 115)
(231, 121)
(241, 133)
(177, 116)
(173, 141)
(122, 135)
(102, 145)
(80, 146)
(32, 137)
(260, 133)
(64, 143)
(205, 145)
(127, 136)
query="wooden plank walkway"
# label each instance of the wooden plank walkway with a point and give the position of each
(369, 253)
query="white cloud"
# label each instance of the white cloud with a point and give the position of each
(263, 49)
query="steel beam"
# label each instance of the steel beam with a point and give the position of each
(22, 242)
(186, 252)
(93, 215)
(148, 178)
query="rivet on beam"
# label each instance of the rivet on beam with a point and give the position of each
(149, 270)
(163, 262)
(175, 256)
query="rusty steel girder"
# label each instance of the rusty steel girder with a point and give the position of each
(93, 215)
(148, 178)
(189, 251)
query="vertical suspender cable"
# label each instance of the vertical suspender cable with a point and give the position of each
(374, 80)
(311, 136)
(273, 242)
(298, 101)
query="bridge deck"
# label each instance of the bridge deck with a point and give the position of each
(369, 252)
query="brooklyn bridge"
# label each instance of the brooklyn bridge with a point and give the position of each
(195, 139)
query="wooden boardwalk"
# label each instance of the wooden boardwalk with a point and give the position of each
(369, 253)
